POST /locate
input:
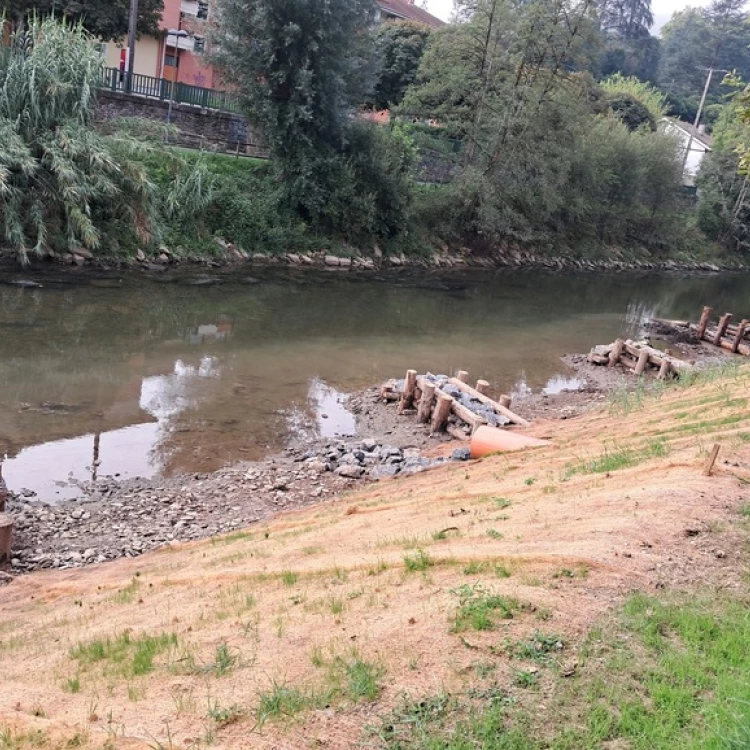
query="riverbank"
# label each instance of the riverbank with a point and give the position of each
(112, 518)
(415, 610)
(227, 255)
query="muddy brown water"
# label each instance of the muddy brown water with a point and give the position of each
(128, 375)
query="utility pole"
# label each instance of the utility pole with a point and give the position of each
(698, 114)
(132, 29)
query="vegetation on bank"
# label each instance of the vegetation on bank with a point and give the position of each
(502, 138)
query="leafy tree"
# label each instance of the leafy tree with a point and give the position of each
(634, 102)
(626, 19)
(695, 39)
(631, 112)
(637, 57)
(301, 66)
(399, 46)
(62, 184)
(105, 19)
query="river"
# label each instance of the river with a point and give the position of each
(123, 374)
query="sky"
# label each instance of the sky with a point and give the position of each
(663, 9)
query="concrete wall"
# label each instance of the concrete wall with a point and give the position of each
(218, 131)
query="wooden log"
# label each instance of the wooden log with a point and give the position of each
(424, 410)
(456, 432)
(711, 460)
(442, 410)
(467, 415)
(728, 344)
(505, 401)
(721, 330)
(482, 386)
(616, 353)
(407, 397)
(655, 356)
(664, 370)
(499, 408)
(739, 334)
(463, 376)
(703, 323)
(640, 365)
(6, 536)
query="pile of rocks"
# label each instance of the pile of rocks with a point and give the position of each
(114, 518)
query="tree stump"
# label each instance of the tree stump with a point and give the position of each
(482, 386)
(442, 411)
(616, 353)
(463, 376)
(739, 334)
(6, 536)
(721, 330)
(407, 397)
(640, 365)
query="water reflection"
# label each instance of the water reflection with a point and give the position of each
(175, 377)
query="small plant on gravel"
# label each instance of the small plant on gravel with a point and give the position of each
(475, 567)
(538, 648)
(281, 700)
(224, 661)
(525, 679)
(336, 605)
(222, 716)
(494, 534)
(419, 561)
(289, 577)
(362, 679)
(71, 685)
(745, 510)
(124, 655)
(478, 608)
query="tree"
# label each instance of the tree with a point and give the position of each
(694, 40)
(626, 19)
(629, 48)
(399, 47)
(105, 19)
(634, 102)
(62, 184)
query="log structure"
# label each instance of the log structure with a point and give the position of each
(6, 536)
(638, 357)
(733, 337)
(444, 412)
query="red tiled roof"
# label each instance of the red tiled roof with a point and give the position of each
(409, 11)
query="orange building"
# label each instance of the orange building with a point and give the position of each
(177, 54)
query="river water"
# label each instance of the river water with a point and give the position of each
(122, 374)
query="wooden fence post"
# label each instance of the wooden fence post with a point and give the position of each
(703, 323)
(721, 330)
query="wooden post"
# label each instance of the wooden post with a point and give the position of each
(507, 413)
(711, 460)
(504, 401)
(482, 386)
(721, 330)
(407, 397)
(6, 536)
(3, 490)
(463, 376)
(442, 411)
(640, 366)
(425, 403)
(664, 370)
(703, 323)
(739, 334)
(616, 353)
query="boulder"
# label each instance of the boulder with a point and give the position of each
(331, 260)
(350, 471)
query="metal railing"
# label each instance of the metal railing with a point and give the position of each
(163, 89)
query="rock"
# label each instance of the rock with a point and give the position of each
(140, 256)
(83, 252)
(345, 262)
(331, 260)
(369, 444)
(78, 260)
(350, 471)
(163, 258)
(394, 260)
(383, 472)
(461, 454)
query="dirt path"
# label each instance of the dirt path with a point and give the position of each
(373, 585)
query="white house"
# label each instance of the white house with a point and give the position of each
(696, 139)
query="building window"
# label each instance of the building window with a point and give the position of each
(199, 45)
(170, 60)
(202, 10)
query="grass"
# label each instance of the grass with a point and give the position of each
(539, 648)
(419, 561)
(362, 679)
(624, 458)
(124, 655)
(479, 609)
(282, 700)
(494, 534)
(289, 577)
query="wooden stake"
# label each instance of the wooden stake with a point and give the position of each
(504, 400)
(482, 386)
(463, 376)
(616, 353)
(407, 397)
(642, 362)
(703, 323)
(442, 410)
(425, 403)
(739, 334)
(721, 330)
(6, 536)
(711, 460)
(664, 370)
